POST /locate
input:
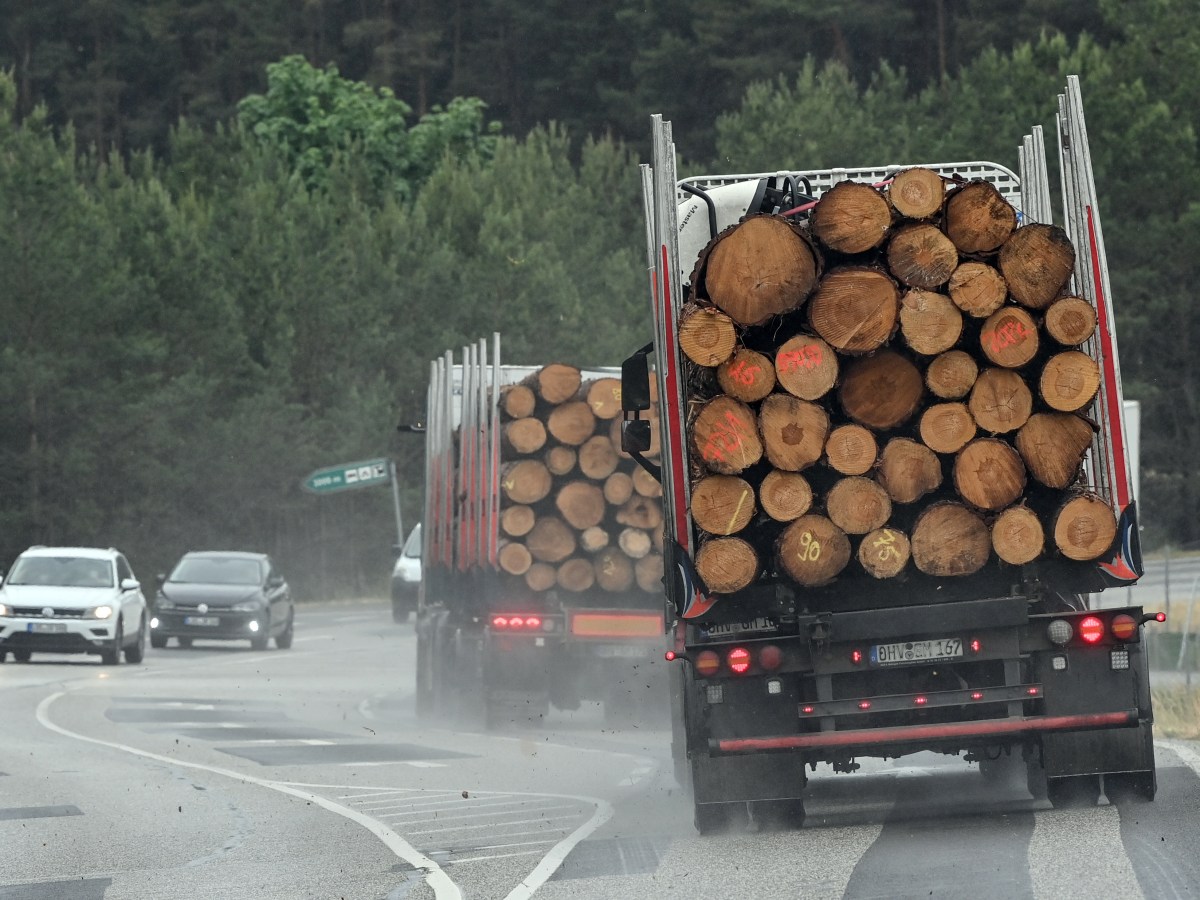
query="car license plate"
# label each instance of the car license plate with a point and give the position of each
(47, 627)
(915, 651)
(201, 620)
(619, 651)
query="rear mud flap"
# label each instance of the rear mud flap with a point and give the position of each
(759, 776)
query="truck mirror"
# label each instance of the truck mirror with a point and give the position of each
(635, 435)
(635, 381)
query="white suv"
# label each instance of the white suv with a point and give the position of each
(72, 600)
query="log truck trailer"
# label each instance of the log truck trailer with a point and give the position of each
(1010, 666)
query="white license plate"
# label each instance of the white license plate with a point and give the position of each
(915, 651)
(201, 620)
(47, 627)
(618, 651)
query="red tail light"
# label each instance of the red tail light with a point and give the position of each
(770, 657)
(976, 695)
(864, 704)
(499, 622)
(707, 663)
(975, 645)
(516, 622)
(739, 660)
(1091, 629)
(533, 622)
(808, 710)
(1160, 617)
(856, 657)
(920, 701)
(1033, 692)
(1123, 627)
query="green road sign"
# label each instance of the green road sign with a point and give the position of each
(348, 476)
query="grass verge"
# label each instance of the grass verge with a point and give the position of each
(1177, 711)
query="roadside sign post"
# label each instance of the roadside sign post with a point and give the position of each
(354, 475)
(396, 505)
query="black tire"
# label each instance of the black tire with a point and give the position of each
(158, 641)
(283, 640)
(712, 818)
(111, 656)
(1073, 791)
(778, 815)
(1130, 788)
(263, 638)
(136, 652)
(184, 642)
(3, 655)
(22, 656)
(400, 612)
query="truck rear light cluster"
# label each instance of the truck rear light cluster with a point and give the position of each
(1098, 628)
(737, 660)
(517, 623)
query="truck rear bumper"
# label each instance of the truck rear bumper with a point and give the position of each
(927, 734)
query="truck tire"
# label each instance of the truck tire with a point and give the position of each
(1128, 788)
(778, 815)
(1073, 791)
(713, 818)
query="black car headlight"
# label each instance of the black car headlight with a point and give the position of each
(248, 605)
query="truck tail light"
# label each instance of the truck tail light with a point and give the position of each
(739, 660)
(510, 622)
(975, 645)
(770, 657)
(533, 622)
(707, 663)
(1059, 631)
(920, 700)
(856, 657)
(1091, 629)
(1123, 627)
(516, 622)
(499, 621)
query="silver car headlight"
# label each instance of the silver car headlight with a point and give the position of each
(100, 612)
(163, 603)
(247, 606)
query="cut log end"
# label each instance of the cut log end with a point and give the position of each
(556, 382)
(851, 218)
(884, 553)
(806, 367)
(727, 565)
(908, 470)
(950, 540)
(978, 219)
(1069, 381)
(1009, 337)
(917, 193)
(813, 551)
(785, 496)
(1053, 446)
(921, 256)
(1084, 528)
(514, 558)
(722, 504)
(725, 436)
(518, 401)
(977, 289)
(648, 572)
(707, 336)
(747, 376)
(516, 521)
(614, 570)
(571, 423)
(1000, 401)
(858, 505)
(1037, 262)
(854, 309)
(576, 575)
(951, 375)
(793, 431)
(947, 427)
(930, 323)
(989, 474)
(581, 504)
(851, 449)
(1070, 321)
(881, 391)
(1017, 536)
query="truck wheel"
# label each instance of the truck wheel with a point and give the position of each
(1073, 791)
(778, 815)
(1127, 788)
(711, 818)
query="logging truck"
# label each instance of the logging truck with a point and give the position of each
(894, 471)
(542, 556)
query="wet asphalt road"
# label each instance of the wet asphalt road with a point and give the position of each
(224, 772)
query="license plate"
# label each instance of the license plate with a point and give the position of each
(915, 651)
(47, 627)
(201, 620)
(617, 651)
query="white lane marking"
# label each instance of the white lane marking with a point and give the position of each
(360, 617)
(552, 860)
(443, 887)
(471, 859)
(416, 764)
(457, 828)
(348, 796)
(1058, 835)
(439, 798)
(1184, 751)
(510, 844)
(176, 704)
(641, 773)
(433, 807)
(478, 815)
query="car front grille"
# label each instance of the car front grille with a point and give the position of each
(38, 612)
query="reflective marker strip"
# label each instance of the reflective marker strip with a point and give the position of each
(598, 625)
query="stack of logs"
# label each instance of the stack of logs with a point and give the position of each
(576, 511)
(897, 380)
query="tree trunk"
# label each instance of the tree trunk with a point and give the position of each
(518, 401)
(1000, 401)
(917, 193)
(947, 427)
(722, 504)
(851, 449)
(921, 256)
(555, 383)
(516, 521)
(515, 559)
(851, 218)
(525, 436)
(908, 470)
(1017, 536)
(785, 496)
(747, 376)
(1053, 446)
(603, 396)
(1069, 381)
(634, 542)
(806, 367)
(726, 564)
(884, 552)
(1084, 527)
(977, 289)
(541, 577)
(881, 391)
(561, 460)
(571, 423)
(989, 474)
(576, 575)
(706, 336)
(581, 503)
(1009, 337)
(598, 457)
(551, 540)
(793, 431)
(978, 218)
(614, 570)
(618, 488)
(526, 481)
(854, 309)
(725, 436)
(949, 539)
(1070, 321)
(593, 539)
(858, 505)
(812, 550)
(648, 572)
(1037, 262)
(762, 267)
(930, 323)
(951, 375)
(641, 512)
(646, 484)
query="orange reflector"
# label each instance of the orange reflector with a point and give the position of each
(707, 663)
(1123, 627)
(1091, 629)
(610, 625)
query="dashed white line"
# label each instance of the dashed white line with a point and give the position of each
(391, 817)
(492, 825)
(471, 859)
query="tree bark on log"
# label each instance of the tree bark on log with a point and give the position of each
(949, 540)
(571, 423)
(762, 267)
(785, 496)
(614, 570)
(881, 391)
(951, 375)
(1070, 321)
(581, 504)
(518, 401)
(561, 460)
(555, 383)
(858, 505)
(854, 309)
(526, 481)
(947, 427)
(648, 572)
(575, 575)
(978, 219)
(921, 256)
(516, 521)
(1053, 446)
(747, 376)
(1000, 401)
(1037, 262)
(851, 218)
(989, 474)
(603, 396)
(634, 542)
(722, 504)
(805, 367)
(930, 323)
(726, 564)
(793, 431)
(541, 577)
(1009, 338)
(1069, 381)
(884, 552)
(598, 457)
(908, 470)
(977, 289)
(525, 436)
(813, 551)
(514, 558)
(851, 450)
(550, 540)
(706, 336)
(1084, 528)
(618, 488)
(1017, 536)
(725, 436)
(917, 193)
